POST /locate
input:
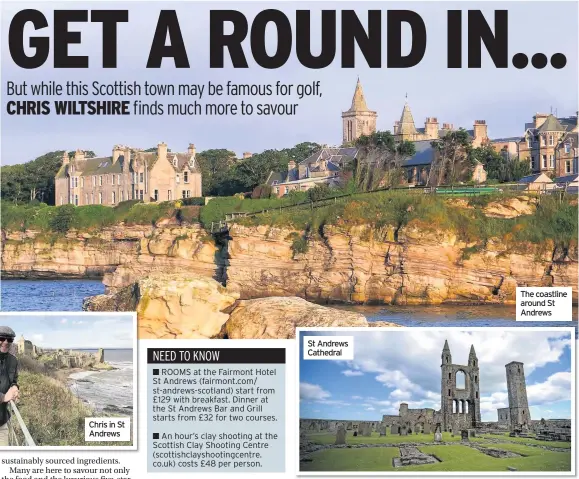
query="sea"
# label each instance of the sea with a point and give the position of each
(107, 391)
(67, 295)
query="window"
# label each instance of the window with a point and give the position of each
(460, 380)
(92, 198)
(119, 179)
(177, 178)
(82, 182)
(94, 180)
(114, 197)
(141, 178)
(449, 375)
(100, 198)
(169, 195)
(100, 180)
(186, 193)
(551, 165)
(86, 199)
(544, 161)
(567, 148)
(274, 182)
(122, 195)
(476, 394)
(113, 179)
(61, 200)
(568, 166)
(449, 392)
(141, 193)
(529, 142)
(185, 177)
(542, 140)
(76, 200)
(551, 140)
(156, 194)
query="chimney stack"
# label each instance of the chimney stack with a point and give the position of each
(191, 149)
(247, 154)
(79, 155)
(291, 165)
(65, 158)
(162, 150)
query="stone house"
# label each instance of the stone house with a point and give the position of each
(129, 174)
(326, 166)
(551, 144)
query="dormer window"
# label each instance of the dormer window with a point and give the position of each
(275, 182)
(175, 161)
(186, 177)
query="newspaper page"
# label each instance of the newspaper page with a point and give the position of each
(294, 238)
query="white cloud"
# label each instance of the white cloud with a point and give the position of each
(37, 338)
(349, 372)
(407, 363)
(356, 397)
(312, 392)
(556, 388)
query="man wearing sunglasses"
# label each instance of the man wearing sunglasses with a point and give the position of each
(8, 380)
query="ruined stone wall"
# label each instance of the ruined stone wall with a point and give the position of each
(504, 416)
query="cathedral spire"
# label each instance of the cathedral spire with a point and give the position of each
(358, 100)
(406, 125)
(446, 348)
(472, 351)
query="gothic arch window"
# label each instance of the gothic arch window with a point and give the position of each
(460, 380)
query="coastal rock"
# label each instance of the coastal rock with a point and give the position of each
(181, 306)
(277, 318)
(511, 207)
(383, 324)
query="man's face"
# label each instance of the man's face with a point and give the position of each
(5, 344)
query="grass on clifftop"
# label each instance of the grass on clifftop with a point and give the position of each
(554, 219)
(59, 219)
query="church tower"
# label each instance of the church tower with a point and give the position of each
(405, 130)
(358, 120)
(519, 414)
(459, 400)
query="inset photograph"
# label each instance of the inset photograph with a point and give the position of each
(422, 400)
(68, 380)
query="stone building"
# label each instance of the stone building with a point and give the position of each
(460, 407)
(405, 129)
(359, 119)
(24, 346)
(519, 414)
(129, 174)
(323, 167)
(548, 142)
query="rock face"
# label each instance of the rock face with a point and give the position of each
(277, 318)
(189, 306)
(412, 265)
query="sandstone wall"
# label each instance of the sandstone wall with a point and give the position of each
(363, 265)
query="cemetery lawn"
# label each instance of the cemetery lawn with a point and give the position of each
(454, 457)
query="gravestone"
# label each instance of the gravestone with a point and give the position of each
(427, 429)
(394, 430)
(471, 433)
(383, 430)
(437, 437)
(464, 435)
(367, 430)
(438, 428)
(403, 431)
(341, 436)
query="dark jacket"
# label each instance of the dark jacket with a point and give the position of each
(8, 378)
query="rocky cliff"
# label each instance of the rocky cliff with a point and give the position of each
(410, 265)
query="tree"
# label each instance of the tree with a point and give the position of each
(214, 164)
(498, 168)
(452, 161)
(380, 160)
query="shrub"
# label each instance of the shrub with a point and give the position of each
(61, 222)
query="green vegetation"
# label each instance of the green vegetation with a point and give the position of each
(454, 457)
(554, 221)
(60, 219)
(53, 415)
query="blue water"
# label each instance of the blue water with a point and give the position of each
(47, 295)
(67, 295)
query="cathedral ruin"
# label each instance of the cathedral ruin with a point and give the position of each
(459, 407)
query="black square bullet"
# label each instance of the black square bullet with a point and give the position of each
(155, 372)
(155, 435)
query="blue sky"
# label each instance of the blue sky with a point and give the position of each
(390, 367)
(505, 98)
(74, 330)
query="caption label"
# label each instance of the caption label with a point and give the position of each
(544, 304)
(107, 429)
(329, 347)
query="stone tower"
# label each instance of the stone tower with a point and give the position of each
(460, 406)
(519, 415)
(405, 130)
(358, 120)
